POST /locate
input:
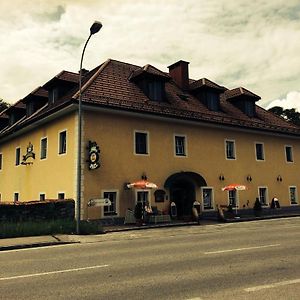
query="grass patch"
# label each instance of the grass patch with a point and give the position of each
(46, 227)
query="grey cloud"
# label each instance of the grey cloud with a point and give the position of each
(52, 16)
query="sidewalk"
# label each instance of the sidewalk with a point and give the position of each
(60, 239)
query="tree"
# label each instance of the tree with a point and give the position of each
(3, 105)
(290, 115)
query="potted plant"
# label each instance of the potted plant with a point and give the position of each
(257, 208)
(138, 213)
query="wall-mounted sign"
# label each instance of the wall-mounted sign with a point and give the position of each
(29, 154)
(94, 155)
(99, 202)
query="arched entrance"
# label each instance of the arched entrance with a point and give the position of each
(182, 188)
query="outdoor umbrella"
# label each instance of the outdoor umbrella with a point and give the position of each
(234, 186)
(237, 187)
(142, 184)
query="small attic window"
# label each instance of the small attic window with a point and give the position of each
(154, 89)
(210, 99)
(247, 107)
(53, 94)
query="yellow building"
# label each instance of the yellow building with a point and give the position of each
(189, 137)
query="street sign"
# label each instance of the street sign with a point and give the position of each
(99, 202)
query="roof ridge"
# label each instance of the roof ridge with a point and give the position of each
(89, 82)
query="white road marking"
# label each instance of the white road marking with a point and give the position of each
(241, 249)
(272, 285)
(40, 248)
(52, 272)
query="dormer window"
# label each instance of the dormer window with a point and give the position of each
(151, 81)
(208, 93)
(53, 95)
(243, 99)
(154, 89)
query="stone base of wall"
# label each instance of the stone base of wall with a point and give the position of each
(37, 210)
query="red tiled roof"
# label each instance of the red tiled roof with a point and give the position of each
(230, 94)
(149, 70)
(204, 82)
(108, 86)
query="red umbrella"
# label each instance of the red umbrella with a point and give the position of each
(235, 186)
(142, 184)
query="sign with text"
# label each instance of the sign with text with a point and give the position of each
(99, 202)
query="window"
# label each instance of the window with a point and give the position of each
(180, 146)
(289, 153)
(62, 142)
(143, 196)
(259, 150)
(230, 149)
(156, 90)
(53, 95)
(61, 196)
(18, 156)
(110, 210)
(232, 198)
(207, 198)
(293, 195)
(263, 195)
(44, 142)
(1, 157)
(42, 197)
(141, 143)
(16, 197)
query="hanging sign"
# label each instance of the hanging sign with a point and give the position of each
(94, 155)
(29, 154)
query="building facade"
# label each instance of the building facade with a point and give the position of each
(189, 137)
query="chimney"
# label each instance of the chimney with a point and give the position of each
(179, 71)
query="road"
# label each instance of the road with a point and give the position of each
(249, 260)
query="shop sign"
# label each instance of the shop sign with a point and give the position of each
(29, 154)
(99, 202)
(93, 156)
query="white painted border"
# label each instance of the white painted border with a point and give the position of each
(225, 148)
(213, 198)
(264, 152)
(117, 202)
(185, 145)
(147, 141)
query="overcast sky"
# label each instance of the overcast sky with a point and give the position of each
(254, 44)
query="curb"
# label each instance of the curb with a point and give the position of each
(34, 245)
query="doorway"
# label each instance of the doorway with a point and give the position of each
(182, 192)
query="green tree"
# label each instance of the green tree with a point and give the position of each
(291, 115)
(3, 105)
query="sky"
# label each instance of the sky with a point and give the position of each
(253, 44)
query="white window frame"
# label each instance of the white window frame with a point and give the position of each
(43, 138)
(1, 161)
(292, 154)
(16, 193)
(40, 194)
(263, 151)
(266, 196)
(234, 149)
(142, 190)
(185, 152)
(58, 148)
(296, 195)
(212, 198)
(147, 142)
(60, 193)
(236, 199)
(19, 158)
(117, 202)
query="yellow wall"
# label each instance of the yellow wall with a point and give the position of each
(206, 156)
(52, 175)
(114, 133)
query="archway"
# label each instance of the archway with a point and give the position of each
(182, 188)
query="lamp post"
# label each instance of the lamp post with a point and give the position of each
(94, 29)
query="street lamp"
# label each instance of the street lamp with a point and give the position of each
(94, 29)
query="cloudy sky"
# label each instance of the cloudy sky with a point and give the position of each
(254, 44)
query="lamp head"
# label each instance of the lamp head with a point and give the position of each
(95, 27)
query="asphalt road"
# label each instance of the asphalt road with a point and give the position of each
(254, 260)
